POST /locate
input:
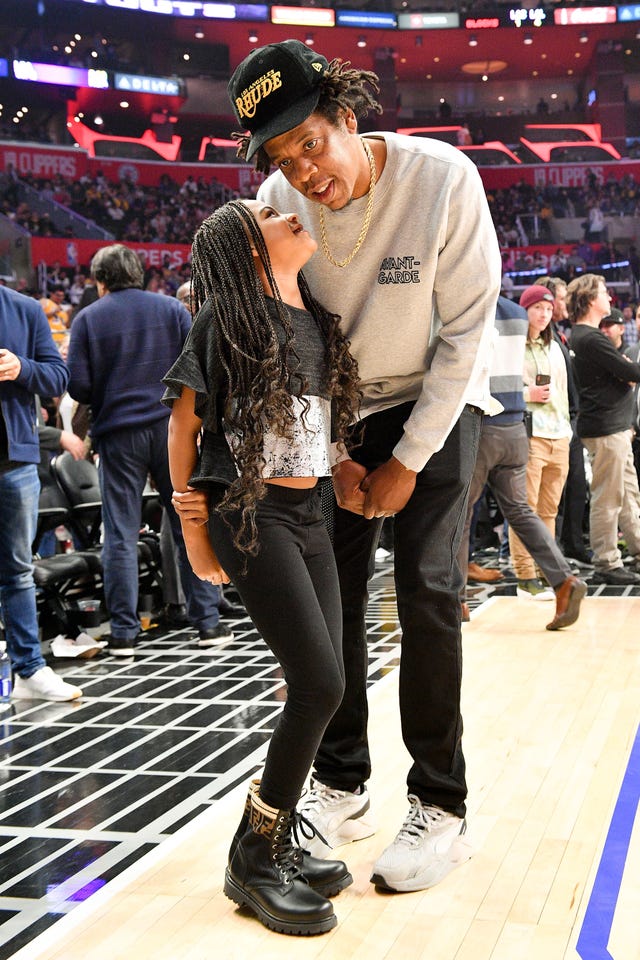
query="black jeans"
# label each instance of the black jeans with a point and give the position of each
(426, 538)
(291, 592)
(573, 506)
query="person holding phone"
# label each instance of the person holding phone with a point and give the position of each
(503, 453)
(547, 398)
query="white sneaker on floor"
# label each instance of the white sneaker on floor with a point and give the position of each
(339, 816)
(534, 590)
(429, 845)
(44, 685)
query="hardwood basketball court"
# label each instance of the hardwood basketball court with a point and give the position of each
(553, 754)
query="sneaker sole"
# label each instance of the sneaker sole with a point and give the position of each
(217, 642)
(121, 651)
(538, 597)
(243, 898)
(459, 853)
(74, 696)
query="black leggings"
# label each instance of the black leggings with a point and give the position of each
(291, 592)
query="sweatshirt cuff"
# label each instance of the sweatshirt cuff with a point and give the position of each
(412, 455)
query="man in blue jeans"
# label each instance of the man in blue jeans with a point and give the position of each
(30, 364)
(121, 347)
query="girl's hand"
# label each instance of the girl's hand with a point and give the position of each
(191, 505)
(202, 558)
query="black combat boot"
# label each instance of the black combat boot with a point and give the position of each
(263, 875)
(327, 877)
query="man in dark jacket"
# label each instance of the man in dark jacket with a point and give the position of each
(121, 347)
(605, 378)
(30, 364)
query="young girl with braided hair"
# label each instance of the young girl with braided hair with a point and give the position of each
(265, 382)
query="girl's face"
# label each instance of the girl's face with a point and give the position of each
(288, 243)
(539, 317)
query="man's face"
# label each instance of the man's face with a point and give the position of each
(560, 304)
(601, 303)
(57, 296)
(325, 163)
(614, 331)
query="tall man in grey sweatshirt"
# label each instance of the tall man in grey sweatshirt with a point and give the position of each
(408, 257)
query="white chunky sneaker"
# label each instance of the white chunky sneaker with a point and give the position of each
(339, 816)
(430, 844)
(44, 685)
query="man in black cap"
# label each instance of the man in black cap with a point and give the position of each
(409, 258)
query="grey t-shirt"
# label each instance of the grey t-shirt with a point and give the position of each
(305, 451)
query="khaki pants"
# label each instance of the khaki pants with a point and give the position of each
(615, 498)
(547, 470)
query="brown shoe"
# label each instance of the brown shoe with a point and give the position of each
(483, 574)
(465, 614)
(569, 596)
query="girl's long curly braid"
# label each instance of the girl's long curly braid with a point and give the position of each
(260, 371)
(341, 88)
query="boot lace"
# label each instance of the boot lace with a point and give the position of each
(421, 817)
(321, 796)
(283, 850)
(304, 830)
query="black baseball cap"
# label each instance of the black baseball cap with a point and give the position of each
(275, 88)
(614, 317)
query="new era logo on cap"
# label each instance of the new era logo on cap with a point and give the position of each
(276, 88)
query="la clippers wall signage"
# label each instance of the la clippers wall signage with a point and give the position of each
(46, 162)
(78, 253)
(43, 161)
(557, 174)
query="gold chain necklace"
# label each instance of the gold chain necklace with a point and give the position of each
(365, 222)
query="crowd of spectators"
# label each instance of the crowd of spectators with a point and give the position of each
(167, 213)
(514, 208)
(171, 211)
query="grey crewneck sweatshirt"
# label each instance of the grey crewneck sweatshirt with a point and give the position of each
(418, 300)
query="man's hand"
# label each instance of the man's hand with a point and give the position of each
(191, 505)
(10, 365)
(72, 443)
(347, 477)
(387, 489)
